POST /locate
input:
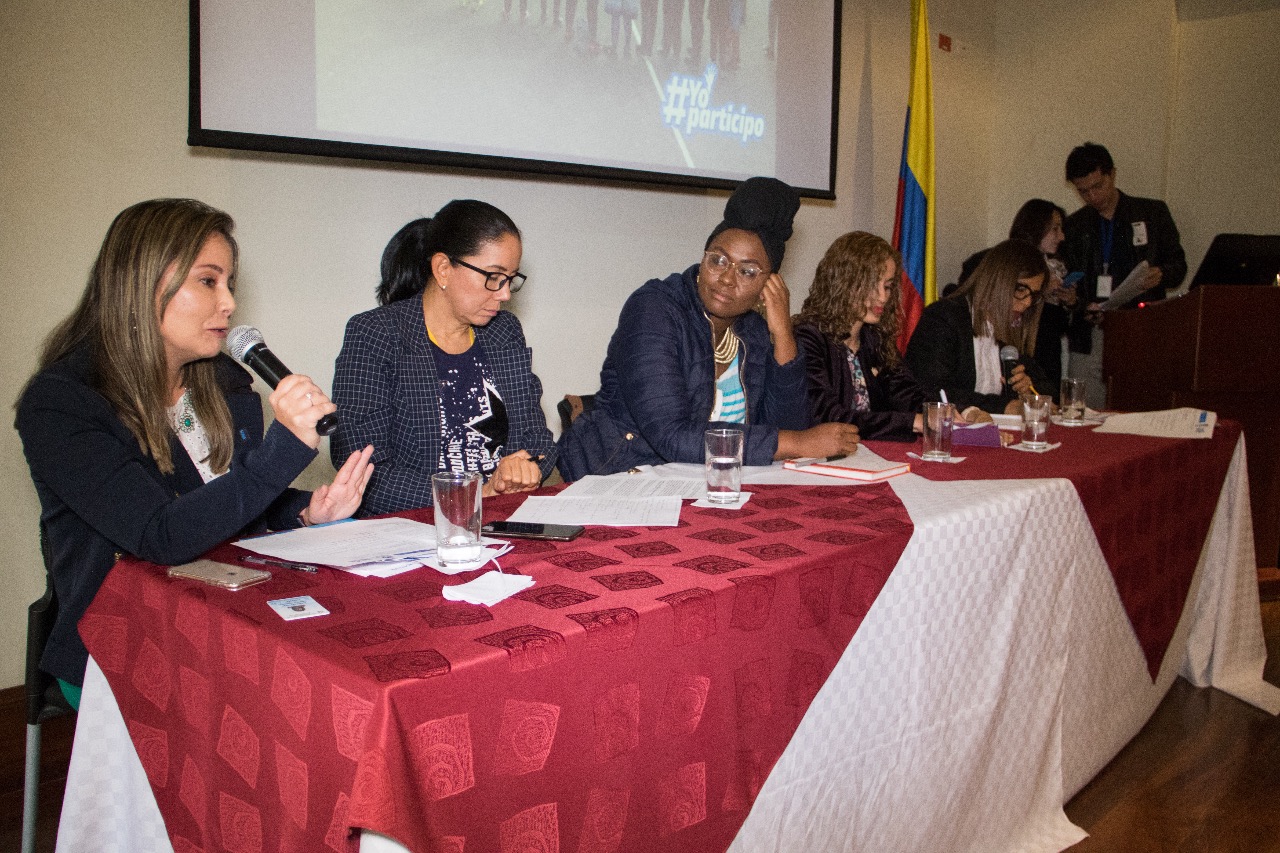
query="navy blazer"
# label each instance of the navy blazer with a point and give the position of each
(896, 397)
(101, 496)
(385, 386)
(940, 356)
(657, 387)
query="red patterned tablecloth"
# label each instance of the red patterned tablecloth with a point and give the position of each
(1150, 502)
(635, 698)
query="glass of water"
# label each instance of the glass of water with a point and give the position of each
(457, 499)
(1071, 401)
(1035, 420)
(939, 418)
(724, 465)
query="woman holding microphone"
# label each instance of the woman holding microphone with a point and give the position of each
(143, 437)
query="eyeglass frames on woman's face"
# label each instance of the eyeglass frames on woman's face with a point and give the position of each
(719, 263)
(495, 281)
(1021, 291)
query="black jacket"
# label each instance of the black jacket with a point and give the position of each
(101, 496)
(657, 387)
(895, 395)
(940, 356)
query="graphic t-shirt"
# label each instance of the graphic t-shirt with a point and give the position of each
(473, 419)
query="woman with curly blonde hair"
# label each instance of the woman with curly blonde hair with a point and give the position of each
(846, 331)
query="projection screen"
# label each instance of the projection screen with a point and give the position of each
(698, 93)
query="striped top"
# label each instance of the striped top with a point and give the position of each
(731, 400)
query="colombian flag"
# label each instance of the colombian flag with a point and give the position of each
(913, 224)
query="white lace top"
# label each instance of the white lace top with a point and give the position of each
(183, 420)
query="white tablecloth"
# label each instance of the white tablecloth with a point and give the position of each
(995, 675)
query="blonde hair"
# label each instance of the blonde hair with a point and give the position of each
(844, 283)
(118, 319)
(990, 291)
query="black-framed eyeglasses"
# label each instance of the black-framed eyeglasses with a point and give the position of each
(719, 263)
(1021, 291)
(495, 281)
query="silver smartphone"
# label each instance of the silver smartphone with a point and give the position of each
(222, 575)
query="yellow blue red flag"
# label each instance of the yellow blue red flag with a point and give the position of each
(913, 225)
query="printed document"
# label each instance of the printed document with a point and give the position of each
(1170, 423)
(350, 543)
(661, 511)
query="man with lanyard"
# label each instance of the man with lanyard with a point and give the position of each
(1105, 240)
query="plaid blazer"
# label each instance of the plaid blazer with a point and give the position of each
(385, 386)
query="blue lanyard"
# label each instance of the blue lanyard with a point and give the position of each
(1108, 240)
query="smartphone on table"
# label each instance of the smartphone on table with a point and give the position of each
(224, 575)
(530, 530)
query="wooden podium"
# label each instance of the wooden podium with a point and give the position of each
(1216, 348)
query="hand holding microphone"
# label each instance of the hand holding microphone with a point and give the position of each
(297, 401)
(1015, 375)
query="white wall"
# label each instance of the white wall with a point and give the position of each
(1066, 73)
(94, 119)
(1224, 152)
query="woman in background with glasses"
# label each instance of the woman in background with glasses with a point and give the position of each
(689, 353)
(439, 378)
(956, 346)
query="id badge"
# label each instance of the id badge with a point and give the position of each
(1104, 286)
(1139, 233)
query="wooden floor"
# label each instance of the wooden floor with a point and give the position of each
(1202, 776)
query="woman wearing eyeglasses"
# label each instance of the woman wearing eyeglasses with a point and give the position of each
(956, 345)
(689, 353)
(439, 378)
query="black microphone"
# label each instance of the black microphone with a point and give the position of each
(246, 345)
(1008, 361)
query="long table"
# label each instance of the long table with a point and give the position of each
(988, 676)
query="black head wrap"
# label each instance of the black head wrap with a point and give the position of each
(766, 207)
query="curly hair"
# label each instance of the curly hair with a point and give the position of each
(843, 285)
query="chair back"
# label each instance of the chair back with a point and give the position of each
(573, 406)
(44, 696)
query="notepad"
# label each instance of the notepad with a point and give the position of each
(863, 465)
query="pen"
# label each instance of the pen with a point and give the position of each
(284, 564)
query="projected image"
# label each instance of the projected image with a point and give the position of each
(672, 85)
(694, 92)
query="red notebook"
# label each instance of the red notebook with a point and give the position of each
(863, 465)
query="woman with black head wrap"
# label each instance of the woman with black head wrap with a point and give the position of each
(689, 352)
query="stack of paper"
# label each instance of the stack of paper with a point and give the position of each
(660, 511)
(378, 548)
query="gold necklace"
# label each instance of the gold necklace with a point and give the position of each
(727, 350)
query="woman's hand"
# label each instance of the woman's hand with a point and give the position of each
(823, 440)
(1020, 382)
(777, 314)
(298, 403)
(342, 497)
(974, 415)
(516, 472)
